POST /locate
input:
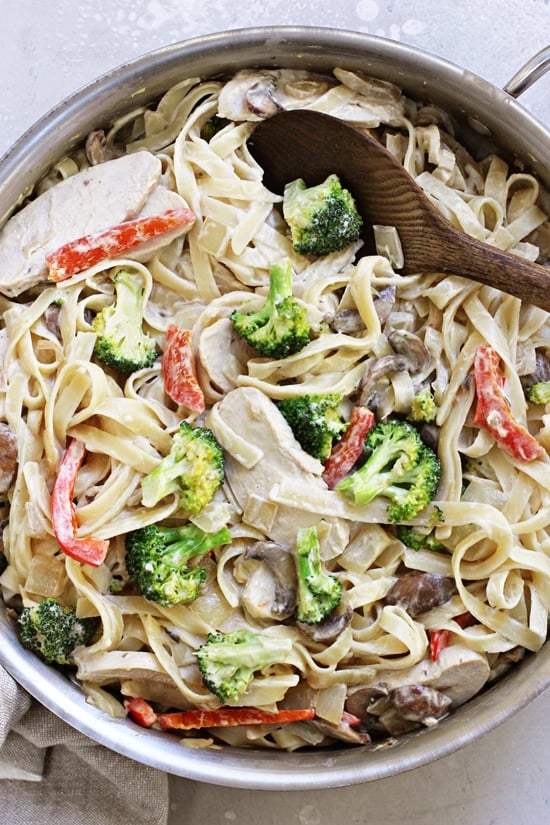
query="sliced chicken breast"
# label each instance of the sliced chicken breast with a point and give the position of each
(90, 201)
(272, 454)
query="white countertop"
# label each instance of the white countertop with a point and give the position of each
(50, 49)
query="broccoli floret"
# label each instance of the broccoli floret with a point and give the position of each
(318, 592)
(417, 540)
(157, 560)
(316, 421)
(423, 406)
(322, 218)
(193, 470)
(228, 661)
(538, 393)
(121, 341)
(399, 466)
(54, 631)
(281, 327)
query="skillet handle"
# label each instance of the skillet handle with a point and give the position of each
(534, 69)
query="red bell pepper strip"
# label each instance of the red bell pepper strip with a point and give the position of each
(350, 719)
(493, 412)
(89, 250)
(350, 447)
(86, 549)
(229, 717)
(440, 639)
(178, 370)
(140, 711)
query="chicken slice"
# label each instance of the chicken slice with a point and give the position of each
(160, 200)
(90, 201)
(108, 667)
(459, 672)
(261, 451)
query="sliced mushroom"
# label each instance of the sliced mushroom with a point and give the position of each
(370, 101)
(412, 347)
(370, 87)
(343, 731)
(270, 589)
(405, 709)
(96, 145)
(541, 371)
(419, 703)
(345, 320)
(418, 592)
(8, 456)
(371, 704)
(327, 631)
(384, 303)
(97, 148)
(260, 100)
(255, 94)
(429, 433)
(51, 319)
(362, 701)
(376, 375)
(391, 722)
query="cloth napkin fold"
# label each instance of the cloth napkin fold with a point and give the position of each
(51, 773)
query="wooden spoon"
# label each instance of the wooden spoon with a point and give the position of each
(306, 144)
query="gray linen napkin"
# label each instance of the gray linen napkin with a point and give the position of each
(51, 773)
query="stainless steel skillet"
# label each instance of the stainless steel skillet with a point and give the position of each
(489, 116)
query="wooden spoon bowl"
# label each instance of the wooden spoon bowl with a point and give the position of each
(311, 145)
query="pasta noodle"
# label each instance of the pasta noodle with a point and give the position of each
(491, 514)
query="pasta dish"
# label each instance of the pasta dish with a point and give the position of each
(418, 609)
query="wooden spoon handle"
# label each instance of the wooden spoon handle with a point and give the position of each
(461, 254)
(311, 145)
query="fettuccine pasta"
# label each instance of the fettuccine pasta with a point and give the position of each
(490, 516)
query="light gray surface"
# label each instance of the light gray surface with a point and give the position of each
(49, 49)
(501, 780)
